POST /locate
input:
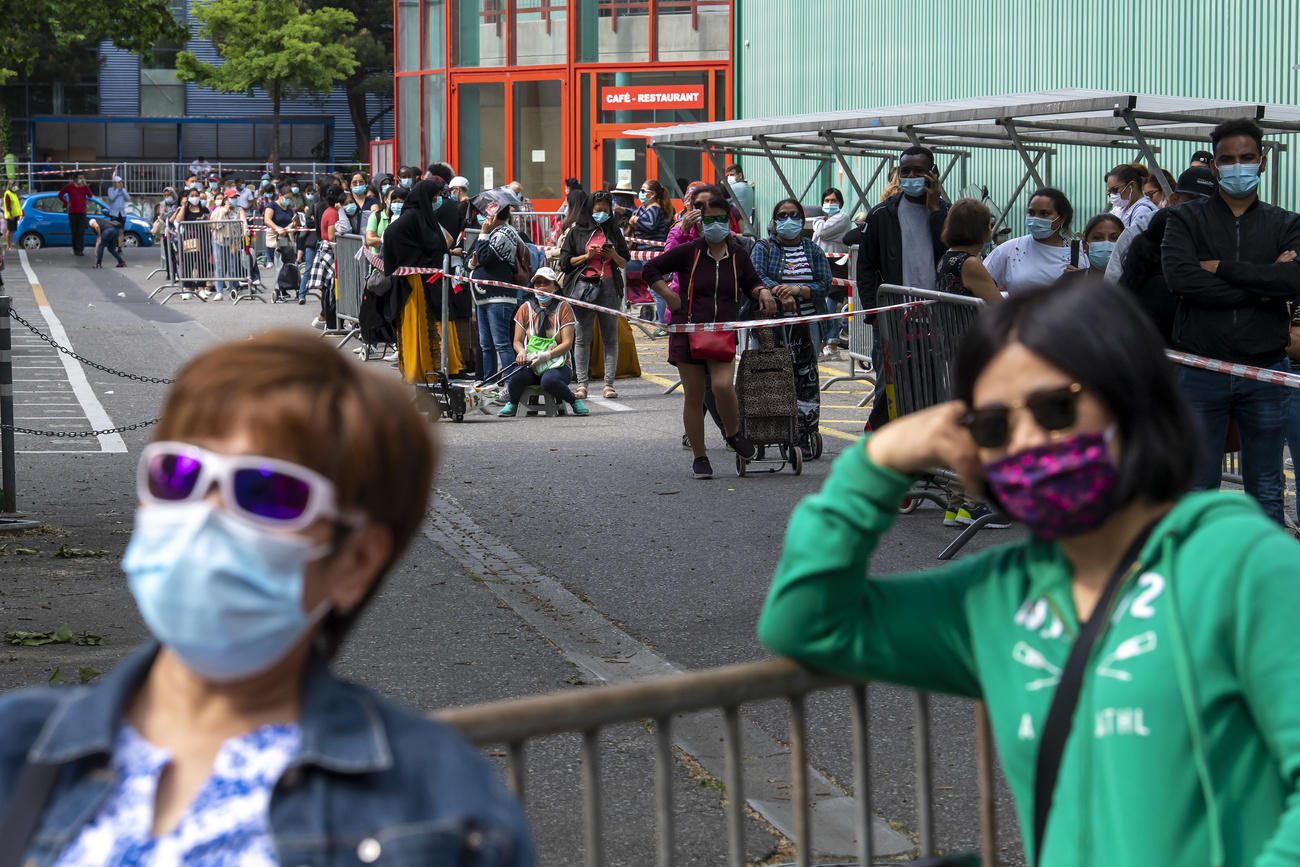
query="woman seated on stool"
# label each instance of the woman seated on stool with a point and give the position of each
(544, 329)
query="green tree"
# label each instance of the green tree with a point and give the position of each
(372, 41)
(272, 44)
(42, 28)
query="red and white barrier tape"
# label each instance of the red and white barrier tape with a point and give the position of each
(686, 328)
(71, 172)
(1246, 371)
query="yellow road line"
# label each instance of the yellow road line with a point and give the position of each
(840, 434)
(657, 380)
(41, 300)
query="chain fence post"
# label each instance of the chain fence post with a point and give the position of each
(8, 471)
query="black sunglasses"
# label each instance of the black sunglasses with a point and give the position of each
(1053, 410)
(789, 215)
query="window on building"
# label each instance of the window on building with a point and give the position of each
(693, 30)
(539, 142)
(435, 34)
(434, 118)
(541, 32)
(407, 43)
(481, 125)
(480, 32)
(620, 31)
(161, 94)
(408, 121)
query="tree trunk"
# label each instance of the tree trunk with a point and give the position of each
(361, 123)
(275, 128)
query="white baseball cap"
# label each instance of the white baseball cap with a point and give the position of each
(458, 181)
(548, 273)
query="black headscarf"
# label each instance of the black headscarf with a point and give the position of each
(414, 239)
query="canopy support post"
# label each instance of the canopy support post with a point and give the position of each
(848, 172)
(1147, 151)
(745, 222)
(1014, 136)
(771, 157)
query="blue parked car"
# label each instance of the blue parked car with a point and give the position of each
(45, 224)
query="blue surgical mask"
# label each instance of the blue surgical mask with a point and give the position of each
(716, 232)
(350, 208)
(542, 299)
(436, 201)
(643, 197)
(359, 190)
(311, 197)
(830, 210)
(1040, 227)
(1099, 253)
(395, 208)
(223, 595)
(913, 187)
(295, 190)
(600, 216)
(481, 219)
(1239, 180)
(406, 182)
(789, 229)
(383, 190)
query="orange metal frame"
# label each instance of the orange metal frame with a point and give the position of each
(570, 76)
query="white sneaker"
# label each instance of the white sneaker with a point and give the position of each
(318, 324)
(205, 294)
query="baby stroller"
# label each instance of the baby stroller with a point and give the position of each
(769, 413)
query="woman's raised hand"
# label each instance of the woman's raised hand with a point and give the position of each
(933, 437)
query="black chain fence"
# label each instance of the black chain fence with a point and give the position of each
(60, 434)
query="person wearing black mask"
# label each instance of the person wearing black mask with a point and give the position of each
(1231, 260)
(416, 240)
(1135, 264)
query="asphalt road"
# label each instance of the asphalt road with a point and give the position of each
(604, 506)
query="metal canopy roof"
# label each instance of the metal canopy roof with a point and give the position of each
(1041, 119)
(1029, 124)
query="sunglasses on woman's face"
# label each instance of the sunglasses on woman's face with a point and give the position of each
(1053, 410)
(789, 215)
(265, 491)
(714, 218)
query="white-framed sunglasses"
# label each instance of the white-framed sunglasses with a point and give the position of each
(265, 491)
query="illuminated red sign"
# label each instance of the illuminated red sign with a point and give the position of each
(645, 98)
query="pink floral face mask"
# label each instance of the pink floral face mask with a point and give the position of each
(1060, 489)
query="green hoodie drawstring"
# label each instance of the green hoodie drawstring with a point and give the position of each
(1187, 690)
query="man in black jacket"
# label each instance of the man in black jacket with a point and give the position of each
(1231, 261)
(900, 241)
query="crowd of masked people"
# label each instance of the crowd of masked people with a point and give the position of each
(1212, 266)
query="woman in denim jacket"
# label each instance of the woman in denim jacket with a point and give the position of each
(285, 482)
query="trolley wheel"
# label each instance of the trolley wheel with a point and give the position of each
(796, 459)
(909, 505)
(460, 416)
(817, 445)
(740, 466)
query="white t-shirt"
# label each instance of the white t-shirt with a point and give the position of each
(1023, 263)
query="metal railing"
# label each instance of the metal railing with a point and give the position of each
(208, 255)
(515, 722)
(535, 227)
(352, 270)
(8, 470)
(151, 178)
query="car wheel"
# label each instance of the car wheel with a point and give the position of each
(31, 241)
(131, 239)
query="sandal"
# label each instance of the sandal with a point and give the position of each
(610, 393)
(580, 392)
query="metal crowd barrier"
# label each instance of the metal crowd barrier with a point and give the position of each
(861, 339)
(534, 226)
(352, 270)
(209, 254)
(515, 722)
(918, 346)
(8, 470)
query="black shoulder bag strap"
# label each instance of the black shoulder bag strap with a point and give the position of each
(1060, 714)
(23, 812)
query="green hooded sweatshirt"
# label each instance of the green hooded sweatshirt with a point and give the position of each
(1185, 747)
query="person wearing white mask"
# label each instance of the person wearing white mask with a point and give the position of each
(228, 739)
(1040, 257)
(544, 332)
(1124, 189)
(828, 234)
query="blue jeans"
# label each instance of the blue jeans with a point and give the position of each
(1260, 410)
(554, 382)
(223, 265)
(496, 332)
(1293, 417)
(309, 256)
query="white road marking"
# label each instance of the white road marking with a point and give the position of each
(85, 395)
(614, 405)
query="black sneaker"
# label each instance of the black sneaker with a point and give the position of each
(686, 442)
(742, 446)
(702, 469)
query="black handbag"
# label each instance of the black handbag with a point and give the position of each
(586, 289)
(379, 284)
